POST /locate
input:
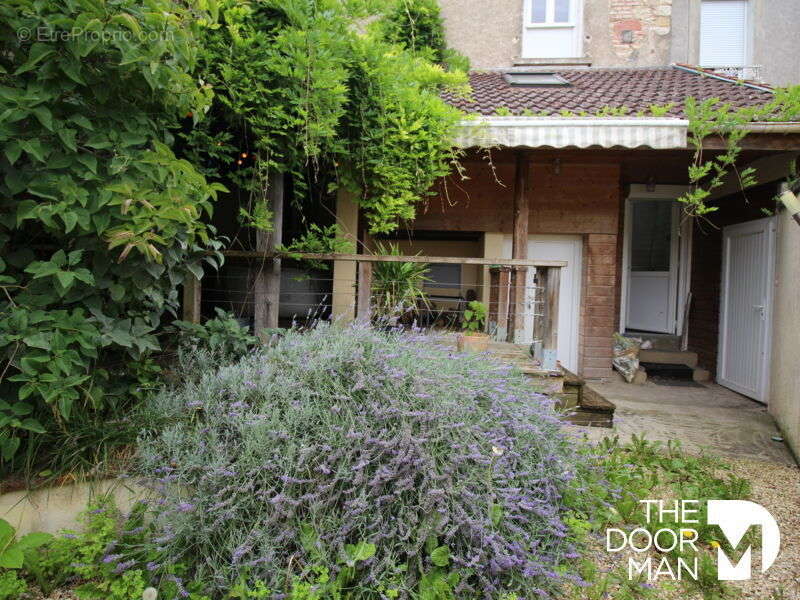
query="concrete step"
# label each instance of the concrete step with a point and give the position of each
(659, 341)
(669, 357)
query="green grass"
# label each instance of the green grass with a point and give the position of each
(640, 470)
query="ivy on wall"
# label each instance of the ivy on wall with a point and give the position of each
(99, 220)
(315, 88)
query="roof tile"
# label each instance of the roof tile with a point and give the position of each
(592, 89)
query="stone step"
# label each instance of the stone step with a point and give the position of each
(658, 341)
(669, 357)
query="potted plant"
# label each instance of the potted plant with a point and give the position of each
(473, 338)
(397, 288)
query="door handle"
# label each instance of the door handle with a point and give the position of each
(760, 309)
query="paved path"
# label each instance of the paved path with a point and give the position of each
(710, 417)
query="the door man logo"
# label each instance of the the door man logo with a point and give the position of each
(734, 518)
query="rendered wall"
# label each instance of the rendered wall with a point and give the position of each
(660, 32)
(775, 43)
(488, 33)
(784, 400)
(54, 509)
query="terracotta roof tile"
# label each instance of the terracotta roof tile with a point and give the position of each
(592, 89)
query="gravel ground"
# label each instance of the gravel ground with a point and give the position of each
(777, 488)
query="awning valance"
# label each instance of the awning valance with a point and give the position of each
(580, 132)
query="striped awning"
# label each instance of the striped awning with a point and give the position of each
(580, 132)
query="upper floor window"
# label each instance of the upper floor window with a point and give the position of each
(550, 11)
(724, 35)
(552, 29)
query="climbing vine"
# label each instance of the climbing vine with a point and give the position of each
(99, 220)
(304, 87)
(713, 118)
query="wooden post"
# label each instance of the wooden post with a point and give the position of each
(191, 299)
(267, 284)
(519, 248)
(343, 301)
(500, 280)
(364, 292)
(552, 285)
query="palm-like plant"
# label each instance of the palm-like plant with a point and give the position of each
(397, 287)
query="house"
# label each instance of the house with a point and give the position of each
(599, 191)
(754, 39)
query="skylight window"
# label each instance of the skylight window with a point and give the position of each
(535, 79)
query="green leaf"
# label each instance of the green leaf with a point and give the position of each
(39, 340)
(33, 147)
(44, 115)
(12, 151)
(441, 556)
(89, 161)
(39, 51)
(67, 136)
(65, 278)
(33, 540)
(70, 220)
(359, 552)
(82, 121)
(10, 447)
(72, 69)
(117, 292)
(7, 533)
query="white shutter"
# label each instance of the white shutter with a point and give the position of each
(723, 33)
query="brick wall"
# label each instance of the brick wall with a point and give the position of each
(707, 267)
(598, 306)
(571, 196)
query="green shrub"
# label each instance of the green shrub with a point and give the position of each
(370, 465)
(11, 586)
(223, 337)
(474, 316)
(88, 181)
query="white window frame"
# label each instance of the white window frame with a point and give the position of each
(748, 35)
(575, 22)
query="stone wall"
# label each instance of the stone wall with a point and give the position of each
(628, 33)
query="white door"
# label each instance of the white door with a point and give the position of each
(653, 253)
(748, 254)
(570, 249)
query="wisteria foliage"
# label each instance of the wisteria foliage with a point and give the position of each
(269, 467)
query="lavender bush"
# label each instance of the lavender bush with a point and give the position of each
(377, 460)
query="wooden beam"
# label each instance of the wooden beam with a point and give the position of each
(552, 286)
(267, 283)
(519, 247)
(452, 260)
(363, 307)
(756, 141)
(192, 294)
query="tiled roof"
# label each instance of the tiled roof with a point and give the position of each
(592, 89)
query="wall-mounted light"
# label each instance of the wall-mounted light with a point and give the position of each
(557, 166)
(651, 184)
